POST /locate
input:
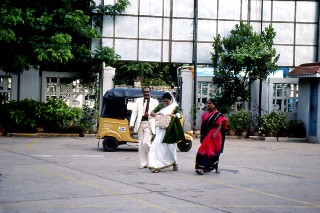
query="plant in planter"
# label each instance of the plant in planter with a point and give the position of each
(89, 119)
(273, 122)
(296, 129)
(240, 121)
(3, 112)
(21, 116)
(27, 115)
(40, 115)
(232, 123)
(59, 115)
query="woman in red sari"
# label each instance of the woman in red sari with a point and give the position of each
(213, 128)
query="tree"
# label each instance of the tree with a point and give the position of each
(153, 74)
(53, 35)
(240, 59)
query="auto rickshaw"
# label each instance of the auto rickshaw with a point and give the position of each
(115, 116)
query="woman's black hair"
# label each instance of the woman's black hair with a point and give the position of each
(212, 101)
(166, 95)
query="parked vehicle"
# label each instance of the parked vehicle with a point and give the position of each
(115, 116)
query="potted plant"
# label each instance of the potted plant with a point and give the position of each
(20, 116)
(296, 129)
(40, 115)
(3, 113)
(2, 131)
(232, 121)
(59, 115)
(273, 122)
(240, 122)
(88, 120)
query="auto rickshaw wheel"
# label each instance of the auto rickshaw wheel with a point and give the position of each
(185, 147)
(110, 144)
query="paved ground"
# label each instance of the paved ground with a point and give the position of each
(70, 174)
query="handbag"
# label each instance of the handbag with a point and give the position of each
(163, 121)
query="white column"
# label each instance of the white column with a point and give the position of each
(30, 85)
(187, 97)
(108, 76)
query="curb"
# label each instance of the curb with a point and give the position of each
(48, 135)
(250, 138)
(280, 139)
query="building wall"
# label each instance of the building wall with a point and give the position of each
(254, 103)
(304, 102)
(304, 107)
(24, 85)
(317, 139)
(30, 88)
(163, 30)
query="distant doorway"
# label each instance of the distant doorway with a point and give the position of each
(313, 108)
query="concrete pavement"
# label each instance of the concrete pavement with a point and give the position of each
(71, 174)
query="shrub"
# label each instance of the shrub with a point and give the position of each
(240, 120)
(89, 118)
(25, 115)
(273, 122)
(20, 115)
(296, 129)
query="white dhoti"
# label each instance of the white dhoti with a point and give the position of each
(144, 137)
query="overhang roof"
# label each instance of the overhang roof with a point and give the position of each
(306, 71)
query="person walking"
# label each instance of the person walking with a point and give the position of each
(143, 124)
(213, 128)
(163, 153)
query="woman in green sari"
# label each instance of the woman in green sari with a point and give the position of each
(163, 152)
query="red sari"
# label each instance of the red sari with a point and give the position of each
(209, 152)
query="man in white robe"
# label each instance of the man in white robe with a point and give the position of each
(144, 124)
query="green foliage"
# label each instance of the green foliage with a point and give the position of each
(107, 55)
(52, 35)
(274, 122)
(224, 105)
(296, 129)
(25, 115)
(152, 74)
(242, 58)
(100, 10)
(59, 114)
(89, 118)
(240, 120)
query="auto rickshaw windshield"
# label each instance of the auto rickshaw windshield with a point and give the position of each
(115, 100)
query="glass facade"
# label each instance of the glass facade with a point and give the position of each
(163, 30)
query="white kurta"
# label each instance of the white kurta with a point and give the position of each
(162, 155)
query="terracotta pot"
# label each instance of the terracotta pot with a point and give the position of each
(270, 134)
(244, 133)
(40, 129)
(83, 132)
(2, 131)
(283, 134)
(232, 132)
(256, 134)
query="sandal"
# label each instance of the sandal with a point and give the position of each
(217, 170)
(175, 167)
(200, 171)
